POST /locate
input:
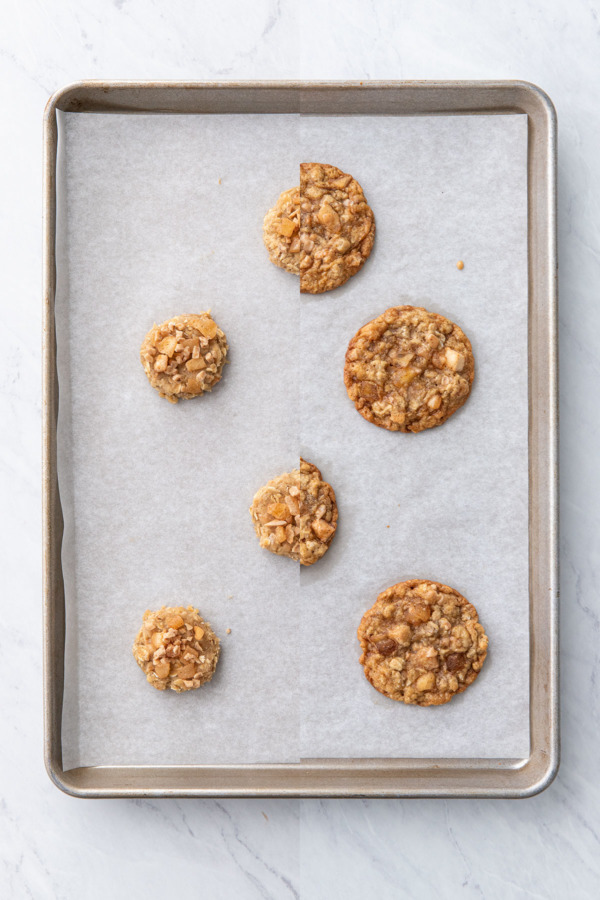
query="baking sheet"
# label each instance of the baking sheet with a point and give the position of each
(162, 215)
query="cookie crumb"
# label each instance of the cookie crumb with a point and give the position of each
(228, 631)
(460, 264)
(219, 181)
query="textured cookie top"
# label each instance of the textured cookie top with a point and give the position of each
(281, 231)
(409, 369)
(422, 643)
(323, 230)
(176, 648)
(296, 515)
(337, 227)
(184, 357)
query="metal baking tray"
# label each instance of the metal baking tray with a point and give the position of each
(336, 777)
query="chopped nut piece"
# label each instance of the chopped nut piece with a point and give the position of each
(455, 360)
(167, 345)
(194, 365)
(162, 669)
(426, 682)
(207, 326)
(328, 218)
(157, 640)
(322, 529)
(368, 390)
(186, 671)
(402, 378)
(287, 227)
(278, 510)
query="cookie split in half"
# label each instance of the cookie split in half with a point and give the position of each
(184, 357)
(409, 369)
(176, 648)
(322, 230)
(422, 643)
(296, 514)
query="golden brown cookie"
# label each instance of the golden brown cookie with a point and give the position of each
(296, 515)
(409, 369)
(184, 357)
(323, 230)
(281, 231)
(176, 648)
(337, 228)
(422, 643)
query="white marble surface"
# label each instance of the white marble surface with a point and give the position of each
(52, 846)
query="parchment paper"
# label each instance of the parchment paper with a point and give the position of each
(161, 215)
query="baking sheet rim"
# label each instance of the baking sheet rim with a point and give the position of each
(395, 777)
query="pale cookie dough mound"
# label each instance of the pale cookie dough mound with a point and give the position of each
(337, 228)
(184, 357)
(176, 648)
(281, 231)
(422, 643)
(296, 515)
(409, 369)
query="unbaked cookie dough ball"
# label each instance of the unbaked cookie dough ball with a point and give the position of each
(295, 514)
(176, 648)
(184, 357)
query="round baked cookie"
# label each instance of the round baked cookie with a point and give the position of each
(409, 369)
(337, 228)
(422, 643)
(296, 515)
(322, 230)
(281, 231)
(176, 648)
(184, 357)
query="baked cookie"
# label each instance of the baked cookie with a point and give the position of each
(184, 357)
(323, 230)
(422, 643)
(281, 231)
(409, 369)
(176, 648)
(337, 228)
(296, 515)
